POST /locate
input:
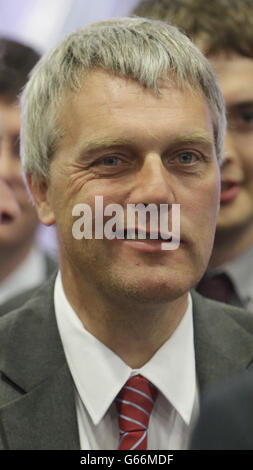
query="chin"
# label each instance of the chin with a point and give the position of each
(150, 291)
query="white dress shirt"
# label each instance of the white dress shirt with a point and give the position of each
(99, 374)
(29, 274)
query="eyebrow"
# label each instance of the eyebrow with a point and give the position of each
(198, 137)
(195, 138)
(103, 143)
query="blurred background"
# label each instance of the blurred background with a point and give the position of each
(41, 24)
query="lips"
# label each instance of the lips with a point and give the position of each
(229, 191)
(146, 241)
(142, 235)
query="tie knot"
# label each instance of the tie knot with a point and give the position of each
(134, 405)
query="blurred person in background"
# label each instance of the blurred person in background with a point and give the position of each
(8, 204)
(226, 416)
(22, 264)
(223, 30)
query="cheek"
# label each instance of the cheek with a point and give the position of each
(248, 164)
(22, 196)
(203, 209)
(16, 174)
(80, 182)
(205, 195)
(244, 153)
(212, 190)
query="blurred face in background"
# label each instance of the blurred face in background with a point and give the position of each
(235, 76)
(19, 231)
(8, 203)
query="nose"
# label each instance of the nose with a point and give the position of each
(230, 150)
(153, 183)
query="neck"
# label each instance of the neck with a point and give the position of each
(134, 332)
(11, 259)
(229, 245)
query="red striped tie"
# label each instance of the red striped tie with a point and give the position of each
(134, 405)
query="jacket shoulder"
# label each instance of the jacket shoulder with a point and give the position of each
(228, 313)
(17, 301)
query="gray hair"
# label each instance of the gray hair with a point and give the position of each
(144, 50)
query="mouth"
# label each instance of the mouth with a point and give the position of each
(142, 235)
(229, 191)
(146, 241)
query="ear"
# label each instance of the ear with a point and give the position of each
(39, 190)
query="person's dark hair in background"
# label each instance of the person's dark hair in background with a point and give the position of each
(217, 26)
(223, 30)
(16, 62)
(22, 265)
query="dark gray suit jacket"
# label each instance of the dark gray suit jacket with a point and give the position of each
(37, 401)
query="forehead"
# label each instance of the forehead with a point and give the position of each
(107, 103)
(235, 76)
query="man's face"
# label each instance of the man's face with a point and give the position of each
(14, 232)
(124, 143)
(235, 75)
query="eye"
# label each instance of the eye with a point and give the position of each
(241, 120)
(110, 164)
(247, 117)
(110, 161)
(186, 158)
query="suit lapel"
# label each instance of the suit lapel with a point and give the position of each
(216, 357)
(44, 418)
(43, 415)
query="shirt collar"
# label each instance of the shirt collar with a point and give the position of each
(99, 374)
(172, 368)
